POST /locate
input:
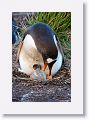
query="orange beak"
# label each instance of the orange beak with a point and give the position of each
(45, 66)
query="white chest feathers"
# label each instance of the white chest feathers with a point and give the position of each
(29, 56)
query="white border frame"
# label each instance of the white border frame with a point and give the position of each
(76, 104)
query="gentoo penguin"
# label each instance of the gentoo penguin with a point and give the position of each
(15, 31)
(40, 46)
(38, 74)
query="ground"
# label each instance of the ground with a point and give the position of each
(56, 90)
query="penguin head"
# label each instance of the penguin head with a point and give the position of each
(36, 66)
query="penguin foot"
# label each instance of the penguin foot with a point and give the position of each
(49, 77)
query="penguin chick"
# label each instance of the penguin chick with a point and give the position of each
(38, 74)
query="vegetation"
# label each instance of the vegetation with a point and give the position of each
(60, 22)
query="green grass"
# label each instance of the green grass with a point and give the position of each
(60, 22)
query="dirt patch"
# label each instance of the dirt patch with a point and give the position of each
(56, 90)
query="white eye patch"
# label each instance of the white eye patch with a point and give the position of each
(49, 60)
